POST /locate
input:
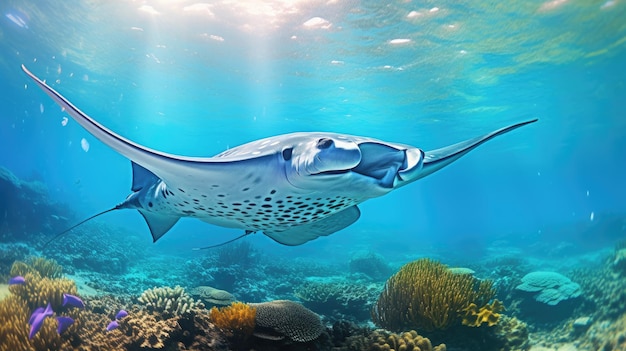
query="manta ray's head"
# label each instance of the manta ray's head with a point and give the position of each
(335, 158)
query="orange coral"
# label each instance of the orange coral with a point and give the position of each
(237, 320)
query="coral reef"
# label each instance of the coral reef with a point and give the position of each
(39, 290)
(82, 249)
(339, 300)
(605, 291)
(236, 320)
(370, 264)
(43, 215)
(11, 252)
(280, 319)
(241, 254)
(380, 340)
(168, 301)
(511, 334)
(142, 330)
(618, 261)
(426, 295)
(549, 287)
(46, 268)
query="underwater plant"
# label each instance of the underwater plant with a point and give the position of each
(426, 295)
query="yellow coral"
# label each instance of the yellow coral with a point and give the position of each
(237, 320)
(43, 266)
(407, 341)
(14, 329)
(38, 291)
(425, 294)
(489, 313)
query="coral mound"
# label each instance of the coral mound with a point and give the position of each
(426, 295)
(276, 320)
(550, 287)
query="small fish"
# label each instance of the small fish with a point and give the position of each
(64, 323)
(74, 301)
(121, 314)
(17, 280)
(35, 313)
(112, 325)
(37, 318)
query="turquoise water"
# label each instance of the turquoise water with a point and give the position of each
(197, 79)
(542, 203)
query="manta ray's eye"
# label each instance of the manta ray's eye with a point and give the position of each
(287, 154)
(324, 143)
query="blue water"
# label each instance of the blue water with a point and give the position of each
(195, 80)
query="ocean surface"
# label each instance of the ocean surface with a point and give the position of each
(196, 79)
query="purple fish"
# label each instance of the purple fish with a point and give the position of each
(17, 280)
(74, 301)
(64, 323)
(121, 314)
(112, 325)
(37, 318)
(35, 313)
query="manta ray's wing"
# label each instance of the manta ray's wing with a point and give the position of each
(172, 168)
(300, 234)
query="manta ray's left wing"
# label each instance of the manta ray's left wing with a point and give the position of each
(172, 168)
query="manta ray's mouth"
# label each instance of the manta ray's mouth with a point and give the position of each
(380, 163)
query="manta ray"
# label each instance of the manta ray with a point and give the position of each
(293, 187)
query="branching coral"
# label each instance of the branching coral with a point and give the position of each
(236, 320)
(169, 301)
(426, 295)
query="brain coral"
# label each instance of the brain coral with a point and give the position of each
(283, 318)
(550, 287)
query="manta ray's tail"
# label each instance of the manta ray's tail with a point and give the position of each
(117, 207)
